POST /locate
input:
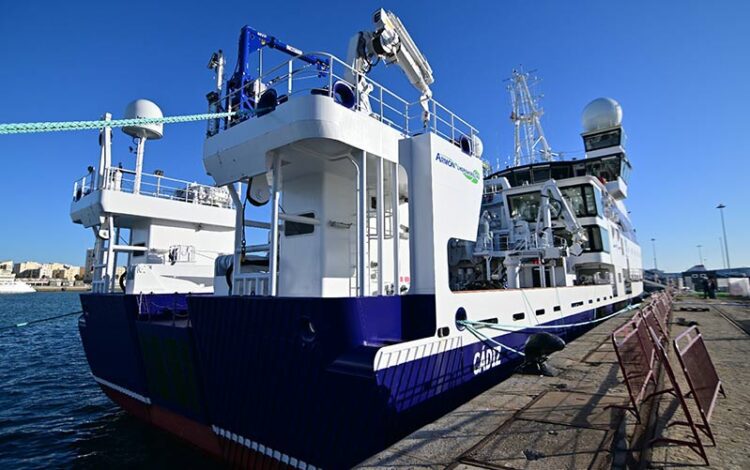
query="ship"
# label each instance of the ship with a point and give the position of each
(337, 285)
(10, 285)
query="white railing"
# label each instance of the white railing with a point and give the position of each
(84, 185)
(252, 284)
(155, 185)
(298, 77)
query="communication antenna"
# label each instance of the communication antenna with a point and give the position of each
(530, 144)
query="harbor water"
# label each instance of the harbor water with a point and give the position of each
(52, 412)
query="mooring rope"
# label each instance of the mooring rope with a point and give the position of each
(471, 327)
(32, 322)
(27, 127)
(519, 328)
(482, 337)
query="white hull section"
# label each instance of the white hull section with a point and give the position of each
(17, 287)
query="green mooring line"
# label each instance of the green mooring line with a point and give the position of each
(32, 322)
(28, 127)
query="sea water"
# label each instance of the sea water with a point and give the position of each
(52, 412)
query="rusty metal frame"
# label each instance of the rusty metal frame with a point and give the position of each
(697, 445)
(694, 339)
(631, 331)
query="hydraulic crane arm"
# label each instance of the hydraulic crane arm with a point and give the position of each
(551, 195)
(391, 43)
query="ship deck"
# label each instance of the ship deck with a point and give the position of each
(564, 421)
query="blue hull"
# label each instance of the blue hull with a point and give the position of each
(286, 379)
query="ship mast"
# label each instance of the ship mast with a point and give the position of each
(530, 144)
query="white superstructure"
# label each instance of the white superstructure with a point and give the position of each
(170, 230)
(362, 180)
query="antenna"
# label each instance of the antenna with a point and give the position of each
(530, 144)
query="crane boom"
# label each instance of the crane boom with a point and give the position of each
(391, 43)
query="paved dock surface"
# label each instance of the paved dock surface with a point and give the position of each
(566, 422)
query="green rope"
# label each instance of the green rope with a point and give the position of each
(27, 127)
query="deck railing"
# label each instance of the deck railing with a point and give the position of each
(298, 77)
(155, 185)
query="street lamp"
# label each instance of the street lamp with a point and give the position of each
(724, 229)
(653, 244)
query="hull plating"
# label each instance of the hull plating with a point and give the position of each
(291, 380)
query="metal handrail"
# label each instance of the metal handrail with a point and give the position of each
(115, 179)
(386, 106)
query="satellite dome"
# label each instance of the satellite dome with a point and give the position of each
(602, 113)
(144, 109)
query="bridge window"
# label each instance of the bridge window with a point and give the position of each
(603, 140)
(582, 201)
(525, 206)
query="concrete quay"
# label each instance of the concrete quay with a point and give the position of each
(568, 421)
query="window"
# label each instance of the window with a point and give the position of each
(522, 177)
(598, 238)
(541, 174)
(525, 206)
(603, 140)
(582, 200)
(560, 172)
(295, 228)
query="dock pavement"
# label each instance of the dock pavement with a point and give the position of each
(568, 421)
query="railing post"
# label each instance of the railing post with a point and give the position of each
(381, 104)
(330, 79)
(406, 117)
(453, 127)
(362, 228)
(289, 79)
(273, 253)
(395, 230)
(380, 220)
(434, 116)
(239, 228)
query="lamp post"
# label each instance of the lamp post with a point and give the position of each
(653, 244)
(700, 254)
(724, 230)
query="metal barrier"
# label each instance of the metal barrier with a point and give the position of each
(700, 373)
(641, 344)
(697, 444)
(653, 320)
(635, 354)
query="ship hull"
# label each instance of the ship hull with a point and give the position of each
(288, 381)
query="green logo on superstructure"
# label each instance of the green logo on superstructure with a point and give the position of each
(471, 175)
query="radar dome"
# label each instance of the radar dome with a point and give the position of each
(602, 113)
(144, 109)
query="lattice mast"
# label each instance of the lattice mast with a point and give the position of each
(530, 143)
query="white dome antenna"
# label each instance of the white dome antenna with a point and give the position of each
(136, 110)
(144, 109)
(600, 114)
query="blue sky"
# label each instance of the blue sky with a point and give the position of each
(680, 70)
